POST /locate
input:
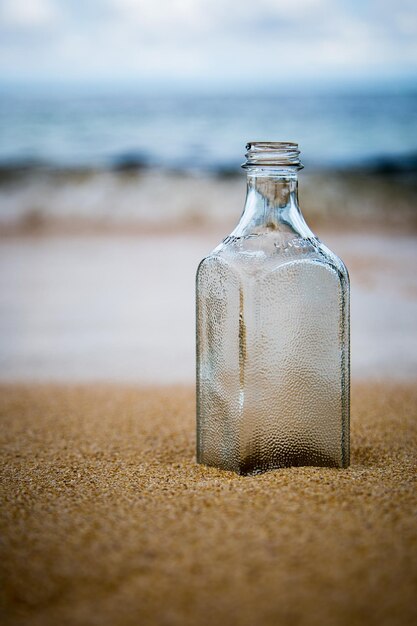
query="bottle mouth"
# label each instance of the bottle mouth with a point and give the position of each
(271, 155)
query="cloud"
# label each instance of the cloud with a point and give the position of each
(27, 14)
(207, 39)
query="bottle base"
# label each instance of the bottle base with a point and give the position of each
(253, 467)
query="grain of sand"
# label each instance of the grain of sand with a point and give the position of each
(107, 520)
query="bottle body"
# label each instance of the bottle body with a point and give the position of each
(272, 342)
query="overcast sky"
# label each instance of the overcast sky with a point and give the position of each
(209, 41)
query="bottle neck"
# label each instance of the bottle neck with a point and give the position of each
(272, 205)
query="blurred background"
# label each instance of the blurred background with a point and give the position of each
(123, 124)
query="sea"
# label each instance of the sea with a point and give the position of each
(125, 128)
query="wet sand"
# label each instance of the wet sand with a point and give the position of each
(106, 518)
(122, 308)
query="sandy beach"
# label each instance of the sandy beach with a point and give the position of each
(106, 518)
(121, 308)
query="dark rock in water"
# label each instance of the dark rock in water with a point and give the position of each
(228, 172)
(130, 162)
(12, 171)
(405, 164)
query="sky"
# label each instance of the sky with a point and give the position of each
(207, 42)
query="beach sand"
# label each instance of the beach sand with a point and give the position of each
(107, 520)
(122, 308)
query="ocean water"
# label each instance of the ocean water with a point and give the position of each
(123, 130)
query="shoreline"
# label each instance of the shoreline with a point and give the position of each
(152, 201)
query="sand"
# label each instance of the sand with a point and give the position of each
(122, 309)
(107, 520)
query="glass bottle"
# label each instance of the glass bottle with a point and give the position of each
(272, 333)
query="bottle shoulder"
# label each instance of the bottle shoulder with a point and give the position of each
(267, 252)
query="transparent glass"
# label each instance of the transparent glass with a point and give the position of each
(272, 333)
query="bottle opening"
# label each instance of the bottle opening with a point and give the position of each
(272, 155)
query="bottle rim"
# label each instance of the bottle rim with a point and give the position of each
(272, 155)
